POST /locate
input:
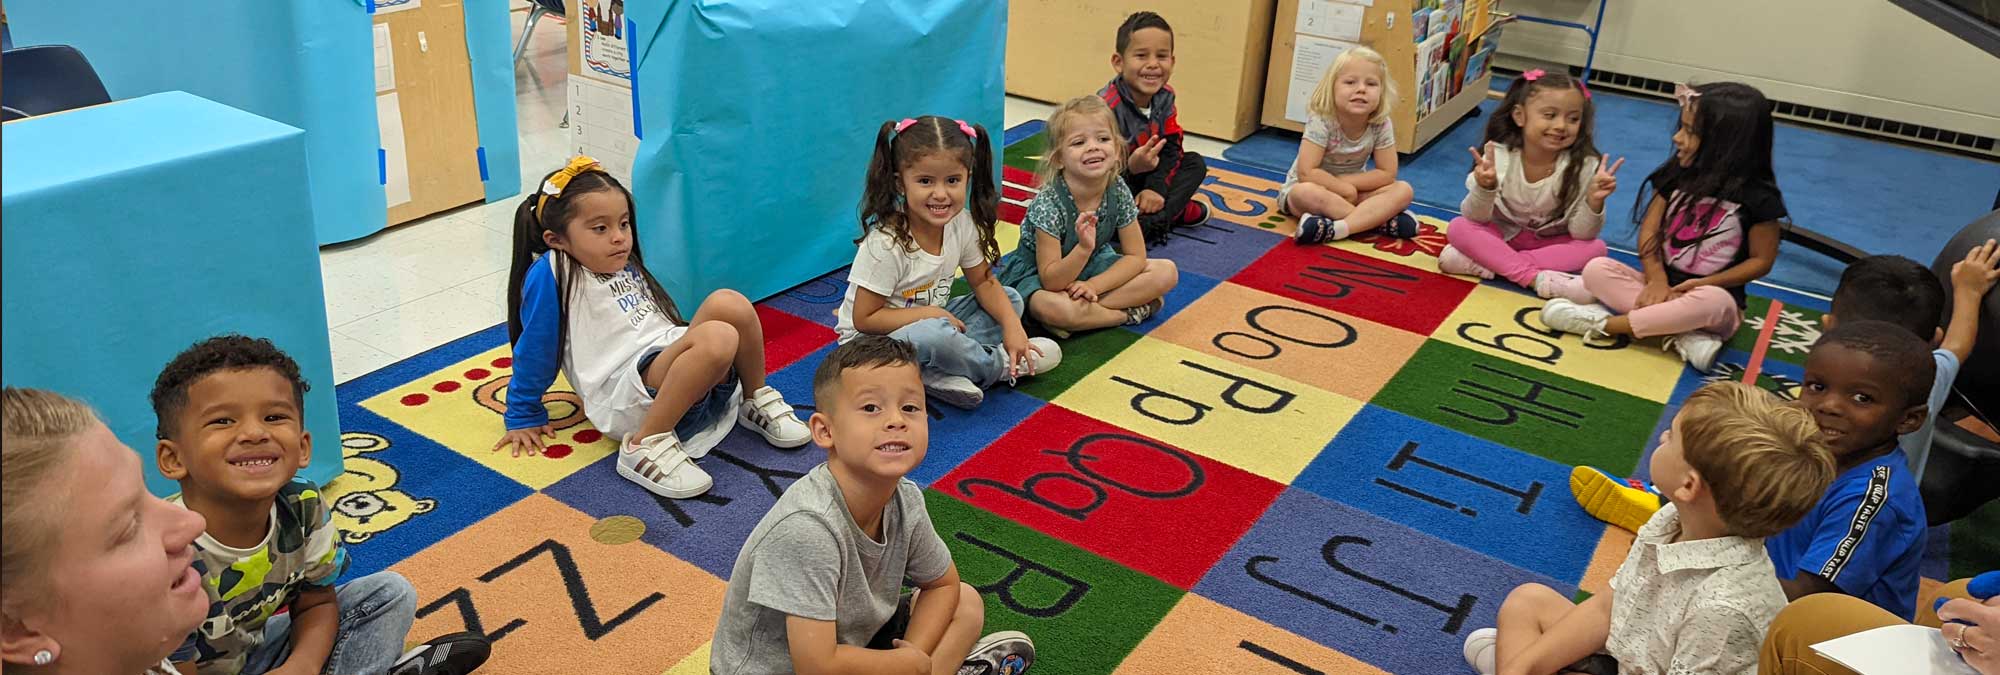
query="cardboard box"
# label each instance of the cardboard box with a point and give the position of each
(1060, 49)
(1299, 57)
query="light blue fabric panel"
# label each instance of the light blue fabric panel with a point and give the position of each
(489, 42)
(306, 64)
(138, 228)
(757, 118)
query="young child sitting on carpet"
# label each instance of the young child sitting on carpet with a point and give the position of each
(1900, 291)
(1866, 382)
(231, 415)
(1162, 174)
(919, 227)
(1696, 591)
(580, 299)
(1328, 187)
(1876, 288)
(817, 586)
(1710, 227)
(1535, 197)
(1082, 260)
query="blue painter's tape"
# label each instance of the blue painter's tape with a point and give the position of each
(382, 165)
(482, 163)
(632, 38)
(371, 6)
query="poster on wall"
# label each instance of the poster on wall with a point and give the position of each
(602, 39)
(1311, 56)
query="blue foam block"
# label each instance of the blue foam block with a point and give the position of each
(307, 64)
(758, 118)
(145, 225)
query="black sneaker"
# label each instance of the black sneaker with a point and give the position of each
(454, 654)
(1403, 226)
(1008, 652)
(1314, 229)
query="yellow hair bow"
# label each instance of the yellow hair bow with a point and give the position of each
(553, 187)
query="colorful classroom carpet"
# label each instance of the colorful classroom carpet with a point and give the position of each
(1324, 459)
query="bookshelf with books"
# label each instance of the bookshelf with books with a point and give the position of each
(1439, 53)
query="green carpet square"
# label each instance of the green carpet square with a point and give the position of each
(1026, 154)
(1528, 408)
(1798, 328)
(1080, 355)
(1084, 612)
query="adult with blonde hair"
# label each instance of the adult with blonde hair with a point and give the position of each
(96, 573)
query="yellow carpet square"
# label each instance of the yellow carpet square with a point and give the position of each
(1261, 423)
(461, 407)
(1509, 325)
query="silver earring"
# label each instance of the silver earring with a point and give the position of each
(43, 657)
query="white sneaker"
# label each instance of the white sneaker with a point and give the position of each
(658, 464)
(1453, 261)
(1551, 284)
(1047, 360)
(956, 391)
(1570, 317)
(770, 416)
(1479, 648)
(1007, 652)
(1697, 347)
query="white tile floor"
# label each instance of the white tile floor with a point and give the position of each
(419, 285)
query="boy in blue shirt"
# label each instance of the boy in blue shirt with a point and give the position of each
(1866, 382)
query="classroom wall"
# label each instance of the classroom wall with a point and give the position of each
(1861, 56)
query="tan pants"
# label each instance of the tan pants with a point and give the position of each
(1817, 618)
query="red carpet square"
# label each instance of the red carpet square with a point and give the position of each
(1357, 285)
(1114, 493)
(787, 338)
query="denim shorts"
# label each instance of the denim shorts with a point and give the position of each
(705, 411)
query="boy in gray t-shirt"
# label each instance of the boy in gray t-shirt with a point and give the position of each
(818, 585)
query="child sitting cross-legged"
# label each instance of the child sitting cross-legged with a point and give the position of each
(1696, 591)
(817, 586)
(232, 431)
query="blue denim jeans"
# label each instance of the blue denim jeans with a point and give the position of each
(375, 616)
(975, 354)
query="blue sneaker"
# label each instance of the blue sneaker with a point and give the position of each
(1403, 226)
(1314, 229)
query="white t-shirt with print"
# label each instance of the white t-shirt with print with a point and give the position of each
(1344, 155)
(909, 277)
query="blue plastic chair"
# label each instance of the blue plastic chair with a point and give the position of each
(46, 79)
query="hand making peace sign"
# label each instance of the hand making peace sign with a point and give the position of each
(1605, 182)
(1482, 168)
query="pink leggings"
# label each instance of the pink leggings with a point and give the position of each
(1526, 255)
(1708, 309)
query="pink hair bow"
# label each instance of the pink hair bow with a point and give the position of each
(1533, 75)
(962, 126)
